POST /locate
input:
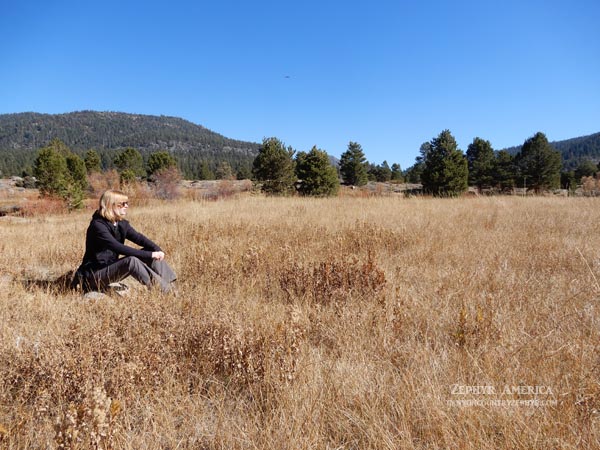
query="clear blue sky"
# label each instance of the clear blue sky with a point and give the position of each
(389, 75)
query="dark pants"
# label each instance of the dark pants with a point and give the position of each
(148, 272)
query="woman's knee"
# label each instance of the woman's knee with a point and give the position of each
(133, 262)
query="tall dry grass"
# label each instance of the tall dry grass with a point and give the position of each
(341, 323)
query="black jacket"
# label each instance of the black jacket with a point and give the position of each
(104, 243)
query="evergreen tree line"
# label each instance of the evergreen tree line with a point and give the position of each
(204, 166)
(280, 170)
(200, 152)
(443, 169)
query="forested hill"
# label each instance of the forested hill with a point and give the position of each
(574, 150)
(22, 134)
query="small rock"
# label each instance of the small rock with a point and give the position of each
(5, 280)
(94, 295)
(13, 219)
(121, 289)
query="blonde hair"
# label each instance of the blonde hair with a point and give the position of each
(108, 200)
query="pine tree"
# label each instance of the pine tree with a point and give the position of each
(504, 172)
(480, 159)
(126, 177)
(92, 161)
(445, 171)
(568, 180)
(274, 167)
(585, 168)
(414, 172)
(539, 163)
(61, 173)
(77, 171)
(353, 165)
(130, 160)
(50, 169)
(318, 177)
(244, 173)
(381, 173)
(396, 173)
(224, 171)
(205, 173)
(159, 161)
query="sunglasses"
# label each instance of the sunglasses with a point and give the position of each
(122, 204)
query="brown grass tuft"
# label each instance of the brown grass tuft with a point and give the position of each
(332, 281)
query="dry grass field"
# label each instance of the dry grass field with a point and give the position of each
(346, 323)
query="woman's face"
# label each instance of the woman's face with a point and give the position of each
(121, 208)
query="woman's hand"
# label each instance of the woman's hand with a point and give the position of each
(159, 256)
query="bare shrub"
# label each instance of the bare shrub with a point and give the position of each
(223, 189)
(590, 185)
(139, 191)
(91, 423)
(102, 181)
(165, 184)
(43, 207)
(354, 192)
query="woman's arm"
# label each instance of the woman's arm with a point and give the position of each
(105, 239)
(138, 238)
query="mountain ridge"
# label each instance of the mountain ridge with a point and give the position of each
(22, 134)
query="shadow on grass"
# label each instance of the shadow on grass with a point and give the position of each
(58, 285)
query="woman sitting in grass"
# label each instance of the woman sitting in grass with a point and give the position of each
(105, 242)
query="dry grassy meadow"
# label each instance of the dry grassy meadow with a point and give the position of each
(346, 323)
